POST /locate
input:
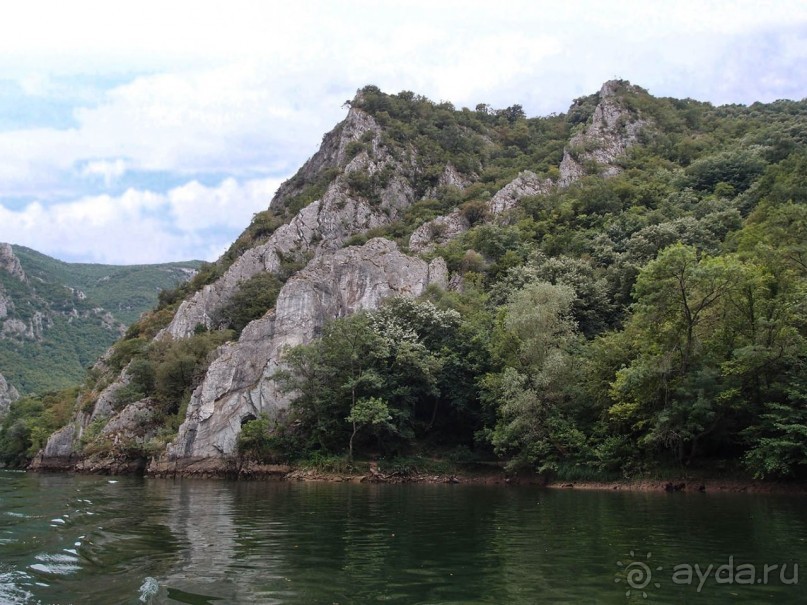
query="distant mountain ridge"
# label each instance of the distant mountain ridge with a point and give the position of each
(56, 318)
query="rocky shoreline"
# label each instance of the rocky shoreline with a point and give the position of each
(235, 469)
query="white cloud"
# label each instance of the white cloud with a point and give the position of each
(190, 221)
(205, 90)
(108, 170)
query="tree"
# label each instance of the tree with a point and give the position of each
(535, 339)
(329, 376)
(674, 293)
(372, 412)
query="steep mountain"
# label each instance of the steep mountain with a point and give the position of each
(56, 318)
(620, 283)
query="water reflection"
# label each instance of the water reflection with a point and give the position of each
(201, 519)
(191, 541)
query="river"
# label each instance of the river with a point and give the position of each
(67, 539)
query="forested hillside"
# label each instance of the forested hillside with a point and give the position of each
(626, 291)
(56, 318)
(655, 317)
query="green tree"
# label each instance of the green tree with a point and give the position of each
(371, 412)
(535, 339)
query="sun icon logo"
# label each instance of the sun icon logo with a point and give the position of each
(636, 574)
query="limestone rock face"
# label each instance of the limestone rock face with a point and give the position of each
(6, 305)
(8, 394)
(130, 421)
(447, 227)
(239, 383)
(105, 404)
(323, 225)
(525, 184)
(31, 330)
(10, 263)
(63, 443)
(60, 444)
(450, 177)
(612, 131)
(438, 231)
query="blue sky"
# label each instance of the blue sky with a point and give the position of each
(147, 132)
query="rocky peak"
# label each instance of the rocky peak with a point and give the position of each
(331, 154)
(612, 130)
(325, 224)
(10, 263)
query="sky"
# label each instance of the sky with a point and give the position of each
(139, 132)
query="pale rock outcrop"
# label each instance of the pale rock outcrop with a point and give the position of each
(10, 263)
(324, 224)
(8, 395)
(239, 383)
(6, 304)
(31, 330)
(450, 177)
(612, 131)
(438, 231)
(131, 421)
(450, 226)
(14, 328)
(524, 185)
(105, 403)
(61, 444)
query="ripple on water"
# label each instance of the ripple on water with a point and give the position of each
(10, 589)
(59, 564)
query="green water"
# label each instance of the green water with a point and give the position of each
(86, 540)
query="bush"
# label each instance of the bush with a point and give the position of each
(254, 298)
(254, 441)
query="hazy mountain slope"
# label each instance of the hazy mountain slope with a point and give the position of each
(56, 318)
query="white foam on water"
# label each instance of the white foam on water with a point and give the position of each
(11, 593)
(58, 521)
(148, 589)
(57, 558)
(59, 569)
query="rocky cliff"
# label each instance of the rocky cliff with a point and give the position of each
(336, 280)
(323, 225)
(239, 383)
(10, 263)
(8, 394)
(612, 130)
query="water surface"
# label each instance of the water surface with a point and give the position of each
(79, 539)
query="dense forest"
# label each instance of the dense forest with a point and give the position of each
(617, 326)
